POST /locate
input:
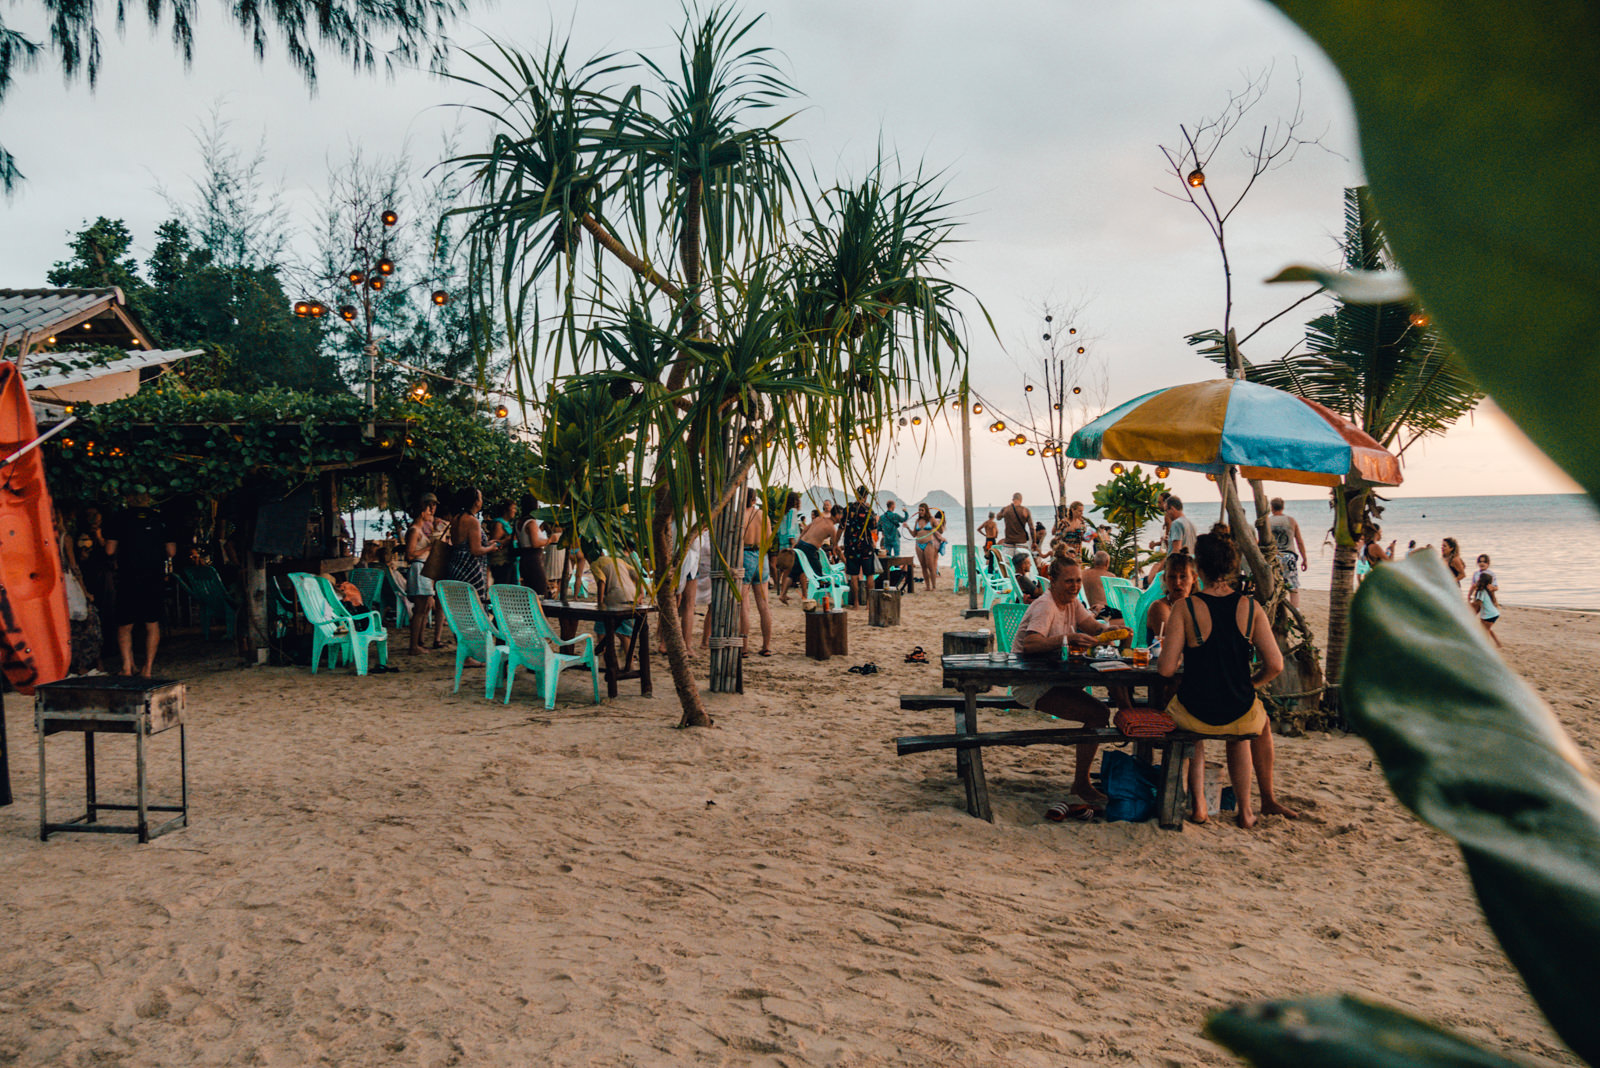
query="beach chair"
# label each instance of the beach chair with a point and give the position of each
(999, 583)
(1007, 617)
(1123, 598)
(958, 565)
(396, 595)
(369, 581)
(475, 635)
(335, 628)
(820, 586)
(205, 589)
(532, 643)
(1141, 614)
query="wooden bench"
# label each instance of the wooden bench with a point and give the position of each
(955, 702)
(1171, 795)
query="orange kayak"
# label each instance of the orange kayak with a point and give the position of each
(35, 643)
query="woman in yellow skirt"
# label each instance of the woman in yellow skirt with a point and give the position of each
(1211, 634)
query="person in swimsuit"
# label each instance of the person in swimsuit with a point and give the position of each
(991, 533)
(1210, 635)
(1450, 550)
(926, 531)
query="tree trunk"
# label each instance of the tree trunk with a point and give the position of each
(1346, 500)
(727, 646)
(672, 636)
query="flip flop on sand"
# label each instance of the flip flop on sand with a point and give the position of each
(917, 656)
(1069, 810)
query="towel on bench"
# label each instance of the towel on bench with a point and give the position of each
(1144, 723)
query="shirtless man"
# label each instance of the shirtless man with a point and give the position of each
(819, 534)
(990, 531)
(757, 537)
(1052, 623)
(1094, 580)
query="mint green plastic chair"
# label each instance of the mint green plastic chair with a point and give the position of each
(369, 580)
(1124, 599)
(1141, 614)
(204, 587)
(1007, 617)
(820, 586)
(532, 643)
(396, 595)
(335, 629)
(475, 635)
(958, 565)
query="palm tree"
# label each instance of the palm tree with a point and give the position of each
(735, 334)
(1387, 370)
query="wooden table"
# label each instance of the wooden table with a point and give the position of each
(906, 564)
(570, 613)
(113, 704)
(971, 673)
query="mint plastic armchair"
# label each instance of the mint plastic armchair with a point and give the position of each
(1140, 622)
(335, 628)
(1007, 617)
(369, 580)
(532, 643)
(475, 635)
(204, 587)
(819, 586)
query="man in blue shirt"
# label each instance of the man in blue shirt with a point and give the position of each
(889, 526)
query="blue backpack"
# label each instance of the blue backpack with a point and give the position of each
(1130, 787)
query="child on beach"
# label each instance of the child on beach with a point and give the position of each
(1483, 599)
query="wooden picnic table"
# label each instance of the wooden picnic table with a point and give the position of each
(570, 613)
(973, 672)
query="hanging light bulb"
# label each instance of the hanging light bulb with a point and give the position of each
(390, 218)
(385, 266)
(904, 420)
(51, 340)
(440, 297)
(977, 409)
(377, 282)
(347, 312)
(1047, 337)
(1020, 439)
(302, 308)
(916, 420)
(1011, 442)
(1420, 319)
(1163, 472)
(1049, 318)
(1072, 330)
(501, 411)
(1080, 463)
(1117, 469)
(419, 391)
(1197, 178)
(356, 278)
(1027, 389)
(1080, 350)
(1001, 425)
(1075, 391)
(1030, 452)
(1211, 478)
(1057, 406)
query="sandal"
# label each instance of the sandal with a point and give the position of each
(917, 656)
(869, 668)
(1065, 810)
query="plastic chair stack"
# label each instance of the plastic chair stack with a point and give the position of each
(335, 628)
(820, 586)
(532, 643)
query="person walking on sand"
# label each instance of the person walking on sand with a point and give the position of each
(1210, 635)
(1482, 599)
(889, 525)
(138, 543)
(1018, 525)
(925, 529)
(1051, 624)
(860, 562)
(757, 536)
(1291, 548)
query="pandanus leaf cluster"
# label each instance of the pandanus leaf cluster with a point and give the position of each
(1478, 161)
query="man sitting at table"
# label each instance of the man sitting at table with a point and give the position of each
(1052, 623)
(1094, 581)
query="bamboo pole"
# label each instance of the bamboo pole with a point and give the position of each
(966, 485)
(727, 572)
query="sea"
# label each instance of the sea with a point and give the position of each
(1545, 548)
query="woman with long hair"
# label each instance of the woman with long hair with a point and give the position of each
(925, 528)
(470, 543)
(531, 542)
(1211, 635)
(1450, 549)
(1177, 582)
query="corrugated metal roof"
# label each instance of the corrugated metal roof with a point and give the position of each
(54, 378)
(29, 311)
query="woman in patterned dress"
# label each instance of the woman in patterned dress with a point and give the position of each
(470, 543)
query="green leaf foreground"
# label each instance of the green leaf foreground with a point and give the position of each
(1467, 745)
(1479, 122)
(1336, 1032)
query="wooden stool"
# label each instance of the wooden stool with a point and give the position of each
(883, 608)
(113, 704)
(827, 634)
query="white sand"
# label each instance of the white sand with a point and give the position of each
(379, 872)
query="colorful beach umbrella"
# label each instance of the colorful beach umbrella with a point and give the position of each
(1265, 432)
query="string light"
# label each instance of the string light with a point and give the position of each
(302, 308)
(1057, 406)
(977, 409)
(1211, 478)
(347, 312)
(318, 309)
(1117, 469)
(377, 282)
(1163, 472)
(1011, 442)
(390, 218)
(1027, 389)
(50, 340)
(1420, 319)
(1080, 463)
(1080, 350)
(1197, 178)
(385, 266)
(1072, 330)
(440, 297)
(1075, 391)
(916, 420)
(1030, 452)
(356, 278)
(501, 412)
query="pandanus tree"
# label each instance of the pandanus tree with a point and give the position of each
(751, 316)
(1386, 369)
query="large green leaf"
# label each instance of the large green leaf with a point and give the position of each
(1468, 746)
(1336, 1032)
(1480, 134)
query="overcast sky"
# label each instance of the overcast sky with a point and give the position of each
(1046, 115)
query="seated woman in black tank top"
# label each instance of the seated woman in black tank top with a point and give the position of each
(1211, 635)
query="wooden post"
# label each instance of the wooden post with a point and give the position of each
(883, 608)
(827, 634)
(727, 573)
(966, 641)
(966, 482)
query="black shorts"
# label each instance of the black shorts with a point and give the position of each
(813, 557)
(140, 598)
(860, 563)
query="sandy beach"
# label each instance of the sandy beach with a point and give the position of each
(379, 872)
